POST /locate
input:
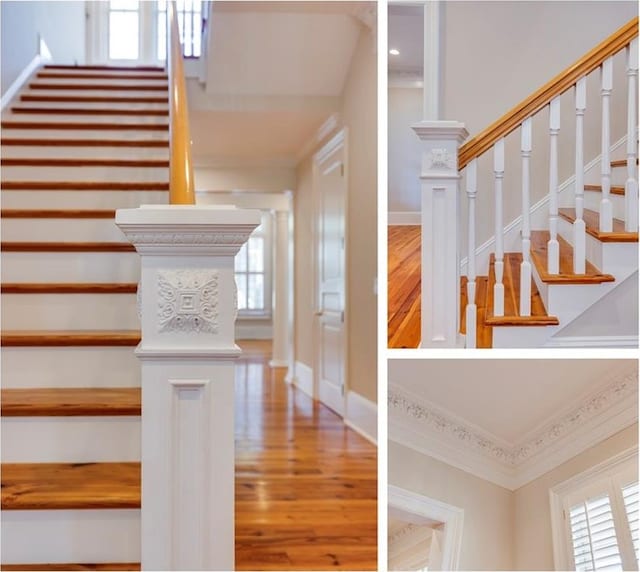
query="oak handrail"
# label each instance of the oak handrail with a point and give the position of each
(543, 96)
(181, 188)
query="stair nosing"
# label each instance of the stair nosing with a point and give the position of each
(83, 186)
(89, 111)
(58, 213)
(31, 142)
(616, 236)
(82, 126)
(70, 338)
(83, 162)
(54, 246)
(69, 288)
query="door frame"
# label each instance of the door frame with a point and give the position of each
(340, 139)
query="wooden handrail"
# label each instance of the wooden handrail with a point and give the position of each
(543, 96)
(181, 188)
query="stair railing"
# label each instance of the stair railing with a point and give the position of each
(440, 294)
(181, 189)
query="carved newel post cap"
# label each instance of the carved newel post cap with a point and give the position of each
(441, 130)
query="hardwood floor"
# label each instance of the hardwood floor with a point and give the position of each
(306, 485)
(403, 312)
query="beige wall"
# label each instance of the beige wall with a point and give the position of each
(359, 113)
(262, 179)
(487, 537)
(532, 523)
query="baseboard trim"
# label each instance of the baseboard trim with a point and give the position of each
(303, 378)
(593, 342)
(254, 332)
(43, 56)
(400, 218)
(361, 415)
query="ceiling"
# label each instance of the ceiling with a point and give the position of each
(406, 24)
(275, 73)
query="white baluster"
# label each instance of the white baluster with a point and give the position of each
(471, 259)
(579, 227)
(525, 267)
(606, 213)
(498, 171)
(631, 185)
(553, 246)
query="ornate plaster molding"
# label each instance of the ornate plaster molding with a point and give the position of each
(187, 301)
(436, 420)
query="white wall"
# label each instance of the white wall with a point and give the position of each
(261, 179)
(488, 536)
(60, 24)
(532, 523)
(405, 109)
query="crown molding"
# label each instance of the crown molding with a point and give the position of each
(436, 432)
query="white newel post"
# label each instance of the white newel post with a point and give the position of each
(187, 305)
(440, 288)
(279, 356)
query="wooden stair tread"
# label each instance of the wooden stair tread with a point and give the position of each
(614, 190)
(99, 86)
(59, 486)
(7, 246)
(56, 213)
(84, 126)
(592, 222)
(88, 162)
(68, 288)
(89, 111)
(511, 281)
(484, 332)
(31, 142)
(621, 163)
(103, 67)
(43, 97)
(115, 566)
(98, 75)
(539, 239)
(67, 402)
(76, 338)
(84, 186)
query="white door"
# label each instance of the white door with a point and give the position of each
(330, 190)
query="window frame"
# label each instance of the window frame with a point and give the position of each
(609, 476)
(203, 15)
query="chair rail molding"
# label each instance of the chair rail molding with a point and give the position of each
(187, 306)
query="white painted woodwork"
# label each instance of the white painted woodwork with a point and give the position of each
(606, 216)
(579, 227)
(70, 174)
(60, 536)
(498, 173)
(61, 230)
(553, 246)
(82, 80)
(330, 195)
(53, 312)
(56, 133)
(525, 266)
(70, 439)
(188, 351)
(52, 150)
(280, 346)
(89, 105)
(431, 72)
(80, 199)
(440, 286)
(471, 309)
(24, 367)
(631, 184)
(88, 117)
(70, 267)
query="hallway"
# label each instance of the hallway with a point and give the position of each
(306, 485)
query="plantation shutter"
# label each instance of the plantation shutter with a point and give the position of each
(593, 535)
(630, 497)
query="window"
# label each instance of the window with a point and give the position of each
(124, 30)
(253, 272)
(596, 517)
(190, 13)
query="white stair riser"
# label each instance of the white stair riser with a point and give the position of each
(54, 105)
(84, 80)
(83, 72)
(56, 134)
(57, 536)
(69, 312)
(107, 174)
(70, 439)
(592, 201)
(593, 245)
(70, 267)
(81, 199)
(83, 152)
(24, 367)
(521, 336)
(100, 92)
(88, 118)
(61, 229)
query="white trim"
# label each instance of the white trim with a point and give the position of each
(593, 342)
(561, 548)
(422, 506)
(330, 126)
(404, 218)
(362, 416)
(432, 69)
(44, 55)
(303, 378)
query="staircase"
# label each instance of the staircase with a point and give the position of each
(565, 272)
(78, 143)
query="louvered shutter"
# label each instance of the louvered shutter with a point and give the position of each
(593, 535)
(630, 497)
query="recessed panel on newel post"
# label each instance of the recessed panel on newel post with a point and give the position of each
(187, 304)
